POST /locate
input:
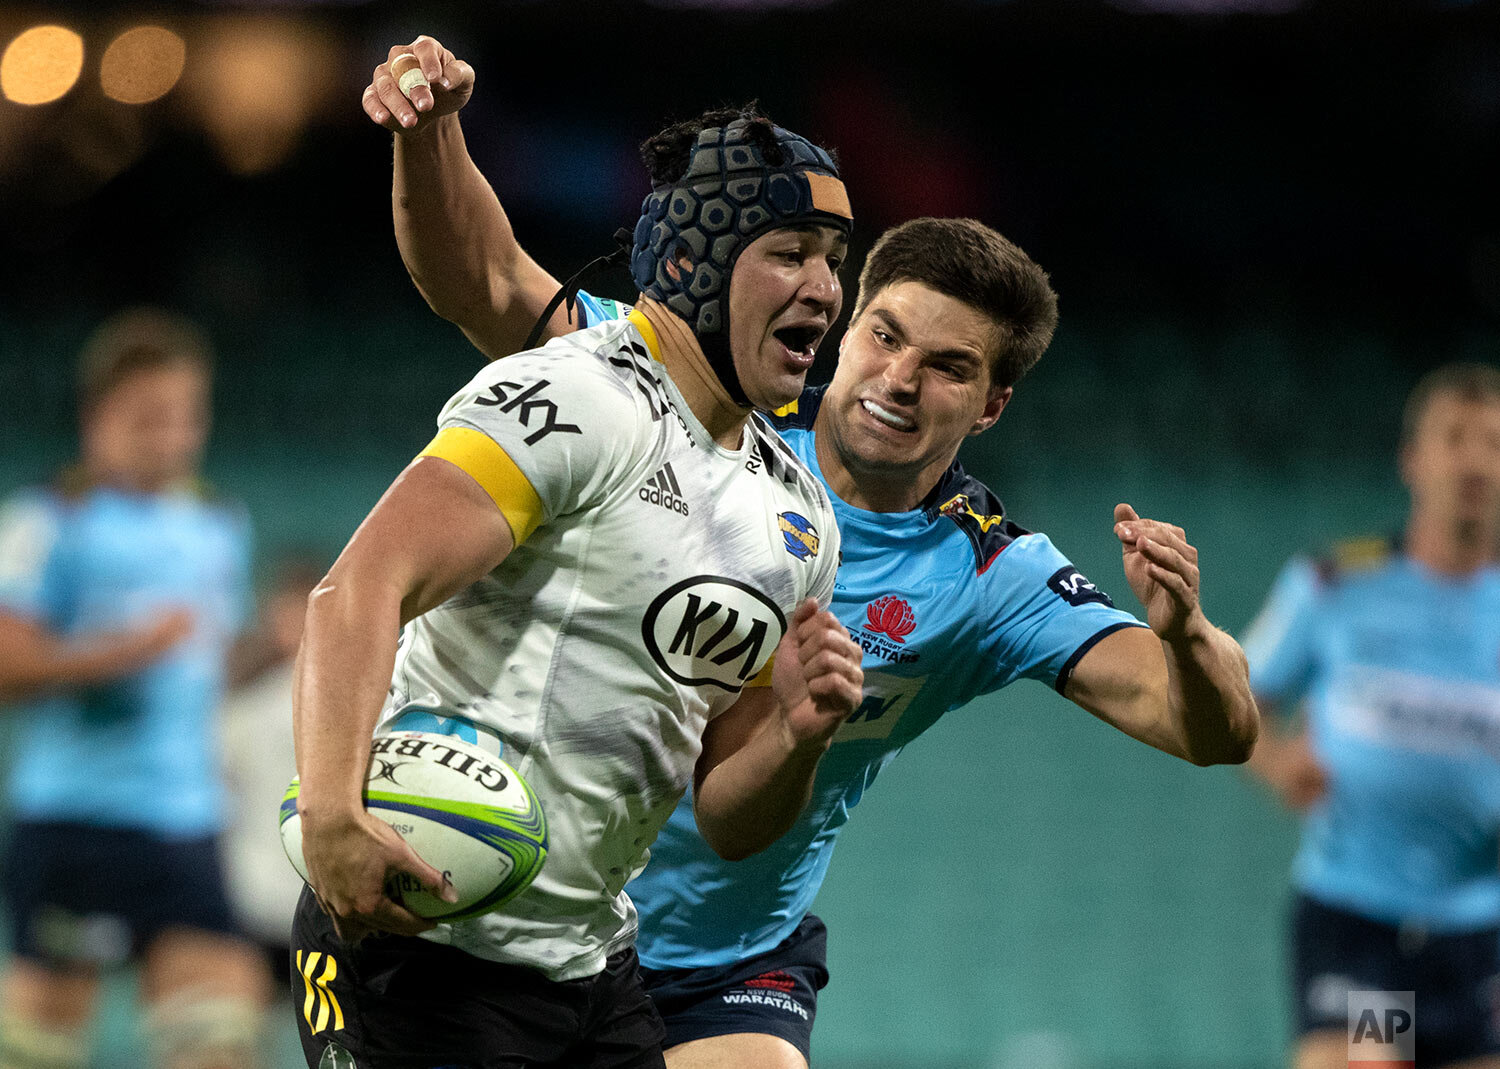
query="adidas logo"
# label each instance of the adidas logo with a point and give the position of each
(662, 489)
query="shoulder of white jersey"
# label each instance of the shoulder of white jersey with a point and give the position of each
(777, 459)
(975, 510)
(1352, 557)
(594, 367)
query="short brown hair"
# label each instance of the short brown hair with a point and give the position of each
(137, 339)
(972, 263)
(1469, 381)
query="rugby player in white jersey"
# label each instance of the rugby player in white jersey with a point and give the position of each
(596, 634)
(948, 597)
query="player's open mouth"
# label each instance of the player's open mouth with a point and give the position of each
(889, 418)
(801, 343)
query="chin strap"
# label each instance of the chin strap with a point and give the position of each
(569, 290)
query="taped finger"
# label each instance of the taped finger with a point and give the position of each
(407, 70)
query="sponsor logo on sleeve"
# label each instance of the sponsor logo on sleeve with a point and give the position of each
(1070, 585)
(800, 535)
(530, 408)
(709, 630)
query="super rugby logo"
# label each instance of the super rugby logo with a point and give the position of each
(709, 630)
(800, 535)
(526, 405)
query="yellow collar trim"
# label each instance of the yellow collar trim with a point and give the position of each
(638, 319)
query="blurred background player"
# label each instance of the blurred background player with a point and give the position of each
(607, 646)
(1391, 647)
(948, 598)
(121, 588)
(259, 760)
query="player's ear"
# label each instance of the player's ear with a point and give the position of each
(679, 264)
(994, 405)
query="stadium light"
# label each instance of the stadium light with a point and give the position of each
(41, 65)
(142, 64)
(255, 83)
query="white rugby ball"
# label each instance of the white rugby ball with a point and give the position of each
(464, 811)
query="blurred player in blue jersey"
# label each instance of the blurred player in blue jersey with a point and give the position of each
(948, 598)
(1391, 648)
(121, 588)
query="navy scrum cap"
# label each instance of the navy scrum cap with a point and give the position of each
(729, 196)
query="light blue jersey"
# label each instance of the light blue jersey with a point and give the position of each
(139, 752)
(1399, 670)
(948, 601)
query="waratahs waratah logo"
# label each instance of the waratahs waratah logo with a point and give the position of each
(890, 616)
(801, 536)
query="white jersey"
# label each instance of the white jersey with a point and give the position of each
(656, 584)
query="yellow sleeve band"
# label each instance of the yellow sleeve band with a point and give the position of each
(763, 677)
(481, 458)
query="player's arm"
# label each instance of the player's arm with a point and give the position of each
(36, 660)
(759, 758)
(434, 532)
(1184, 685)
(455, 238)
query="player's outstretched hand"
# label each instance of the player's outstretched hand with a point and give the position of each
(450, 84)
(817, 678)
(349, 861)
(1162, 568)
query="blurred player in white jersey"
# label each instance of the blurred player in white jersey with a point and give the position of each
(1391, 648)
(599, 637)
(947, 597)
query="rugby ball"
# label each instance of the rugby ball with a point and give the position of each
(463, 810)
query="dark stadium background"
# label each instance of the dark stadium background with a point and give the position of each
(1265, 219)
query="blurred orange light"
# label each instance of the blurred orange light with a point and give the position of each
(41, 65)
(142, 64)
(256, 82)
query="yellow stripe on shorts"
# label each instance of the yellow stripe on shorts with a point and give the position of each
(481, 458)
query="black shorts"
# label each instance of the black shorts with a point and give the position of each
(1456, 978)
(394, 1002)
(775, 993)
(93, 896)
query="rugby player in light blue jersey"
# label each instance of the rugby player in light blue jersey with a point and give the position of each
(948, 598)
(121, 588)
(1392, 649)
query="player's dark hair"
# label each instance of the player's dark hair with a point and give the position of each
(1468, 380)
(667, 153)
(972, 263)
(135, 340)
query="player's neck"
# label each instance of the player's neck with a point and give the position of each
(1450, 545)
(874, 490)
(97, 472)
(683, 358)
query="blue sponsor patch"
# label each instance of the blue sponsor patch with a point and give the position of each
(800, 535)
(1070, 585)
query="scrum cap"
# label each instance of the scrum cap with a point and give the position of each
(730, 195)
